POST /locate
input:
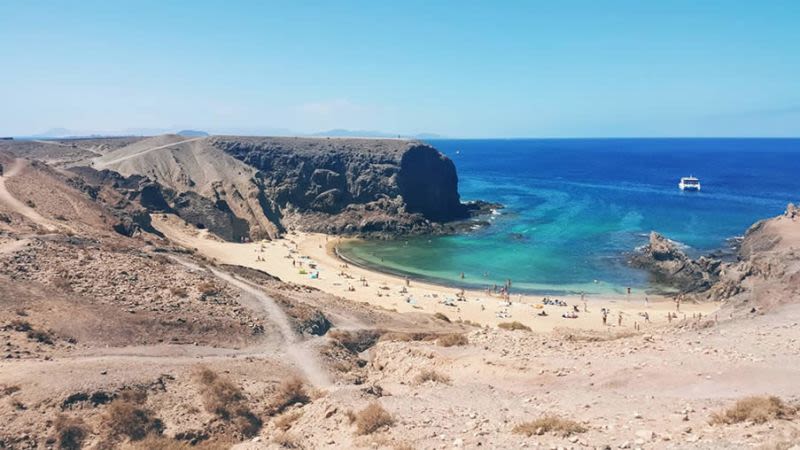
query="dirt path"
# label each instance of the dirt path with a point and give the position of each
(302, 356)
(101, 164)
(17, 206)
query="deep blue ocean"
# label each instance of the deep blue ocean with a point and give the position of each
(576, 207)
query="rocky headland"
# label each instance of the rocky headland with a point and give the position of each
(765, 273)
(260, 187)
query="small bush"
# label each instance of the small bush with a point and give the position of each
(153, 442)
(207, 289)
(513, 326)
(450, 340)
(356, 341)
(290, 392)
(286, 440)
(45, 337)
(20, 325)
(225, 399)
(8, 390)
(128, 419)
(178, 292)
(441, 316)
(548, 424)
(286, 420)
(70, 432)
(757, 409)
(372, 418)
(431, 375)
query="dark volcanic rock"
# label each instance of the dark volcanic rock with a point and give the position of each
(353, 186)
(669, 265)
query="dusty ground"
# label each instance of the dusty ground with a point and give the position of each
(105, 339)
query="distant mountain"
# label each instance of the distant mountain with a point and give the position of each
(339, 132)
(192, 133)
(55, 133)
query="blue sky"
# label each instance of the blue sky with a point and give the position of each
(461, 68)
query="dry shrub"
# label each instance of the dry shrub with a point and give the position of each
(431, 375)
(286, 420)
(756, 409)
(125, 418)
(287, 440)
(408, 336)
(450, 340)
(45, 337)
(291, 391)
(593, 336)
(178, 292)
(207, 289)
(153, 442)
(356, 341)
(226, 400)
(70, 432)
(8, 390)
(441, 316)
(372, 418)
(550, 423)
(20, 325)
(513, 326)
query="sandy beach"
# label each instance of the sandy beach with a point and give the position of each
(310, 259)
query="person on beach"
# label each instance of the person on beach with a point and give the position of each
(605, 317)
(408, 281)
(669, 317)
(646, 302)
(646, 317)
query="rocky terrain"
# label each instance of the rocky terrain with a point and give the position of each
(112, 336)
(340, 186)
(669, 265)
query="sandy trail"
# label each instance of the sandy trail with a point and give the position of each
(301, 354)
(313, 253)
(17, 206)
(303, 357)
(100, 164)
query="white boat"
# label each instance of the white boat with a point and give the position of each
(689, 184)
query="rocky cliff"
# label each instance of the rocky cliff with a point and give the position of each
(379, 187)
(766, 272)
(669, 265)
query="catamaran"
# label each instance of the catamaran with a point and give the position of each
(689, 184)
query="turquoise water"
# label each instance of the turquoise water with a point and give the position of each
(576, 208)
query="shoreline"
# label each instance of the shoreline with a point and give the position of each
(651, 290)
(310, 259)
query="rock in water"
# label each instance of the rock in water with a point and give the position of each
(670, 265)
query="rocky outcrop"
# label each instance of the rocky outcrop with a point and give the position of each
(669, 265)
(354, 186)
(376, 187)
(765, 274)
(768, 270)
(134, 198)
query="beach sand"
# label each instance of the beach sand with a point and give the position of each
(315, 253)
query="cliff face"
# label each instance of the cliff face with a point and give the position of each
(380, 187)
(766, 273)
(670, 265)
(351, 185)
